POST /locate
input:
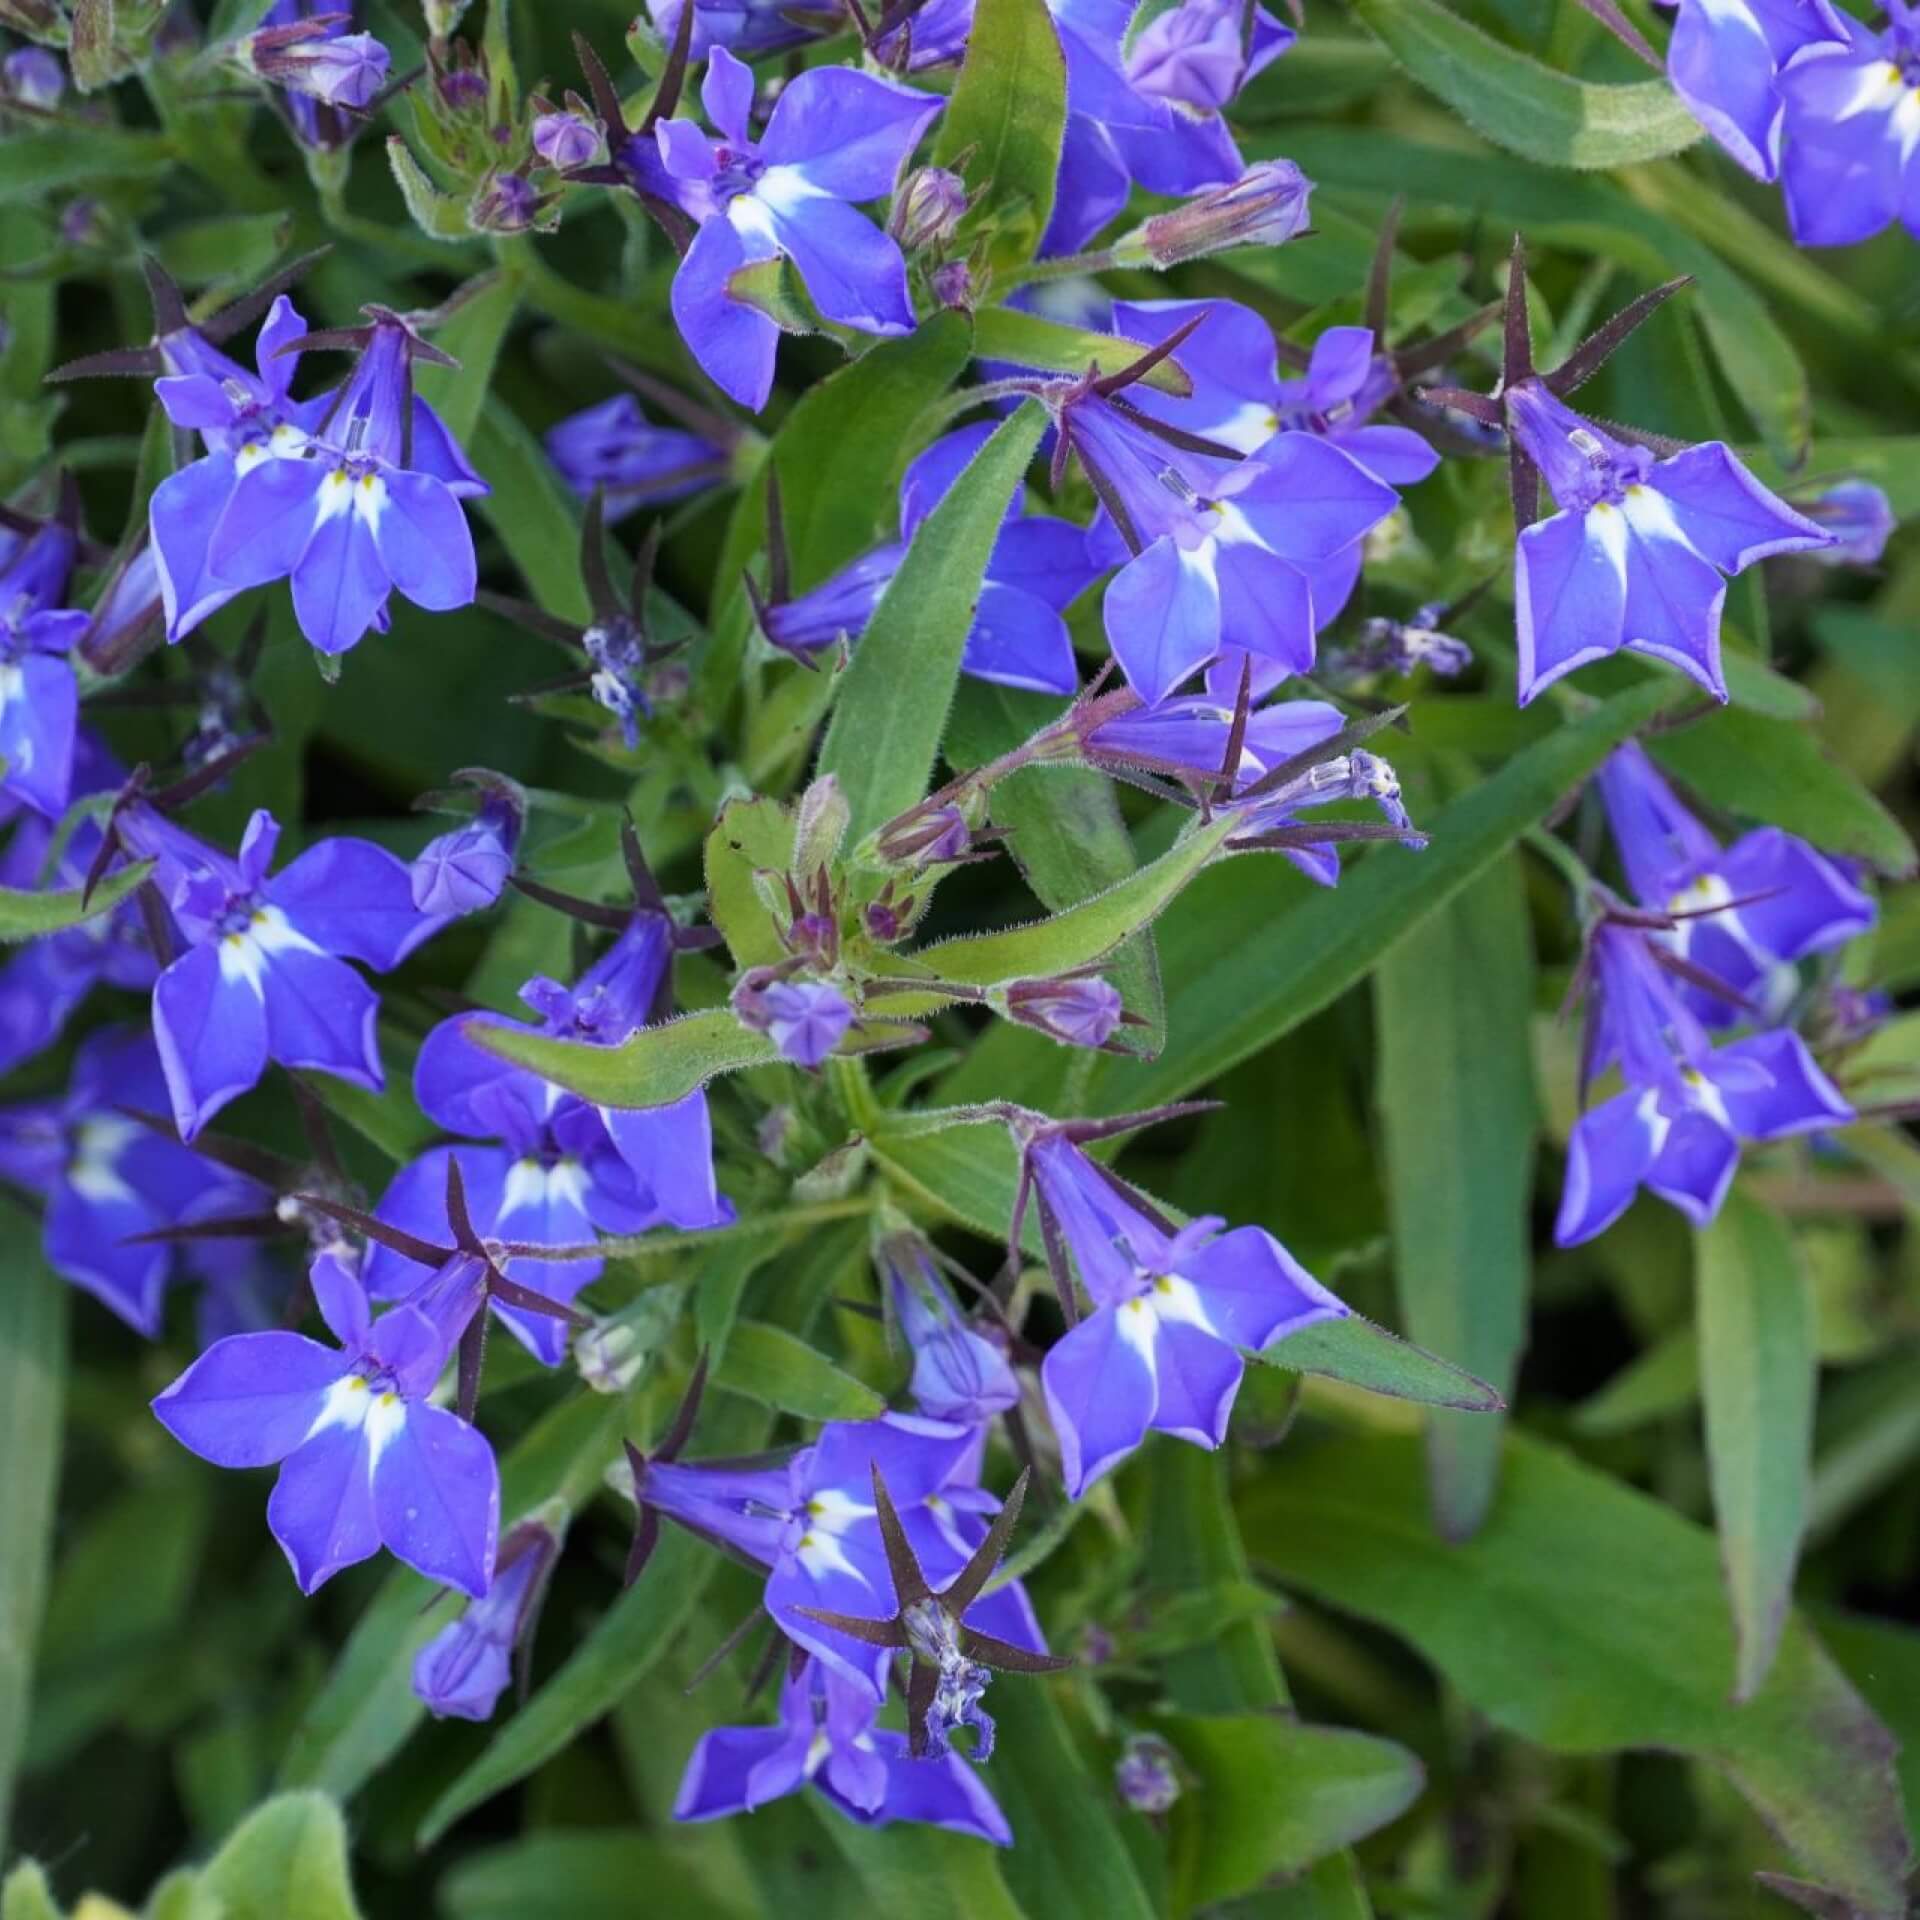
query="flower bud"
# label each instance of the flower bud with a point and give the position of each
(953, 285)
(464, 89)
(1265, 206)
(32, 76)
(465, 870)
(926, 837)
(1078, 1012)
(959, 1374)
(507, 203)
(565, 141)
(338, 70)
(463, 1670)
(819, 824)
(927, 208)
(1146, 1775)
(1859, 516)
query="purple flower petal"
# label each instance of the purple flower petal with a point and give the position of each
(252, 1399)
(321, 1508)
(211, 1028)
(436, 1498)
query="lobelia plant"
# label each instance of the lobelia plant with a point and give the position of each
(1055, 1362)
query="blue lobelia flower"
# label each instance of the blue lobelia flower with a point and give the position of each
(1646, 531)
(1678, 1126)
(368, 504)
(1209, 548)
(43, 981)
(466, 869)
(243, 420)
(1150, 112)
(39, 698)
(106, 1179)
(835, 137)
(463, 1670)
(263, 977)
(1852, 162)
(959, 1374)
(1172, 1313)
(365, 1459)
(1744, 913)
(560, 1171)
(827, 1739)
(812, 1522)
(614, 447)
(1725, 60)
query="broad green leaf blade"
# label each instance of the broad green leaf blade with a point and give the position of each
(473, 335)
(1776, 772)
(885, 732)
(27, 1895)
(969, 1175)
(1025, 340)
(1455, 1091)
(750, 836)
(538, 524)
(1757, 1370)
(781, 1371)
(1883, 1661)
(33, 1367)
(1519, 104)
(35, 164)
(25, 915)
(1070, 842)
(1230, 995)
(1005, 121)
(286, 1861)
(1610, 1634)
(653, 1068)
(1068, 1856)
(586, 1874)
(918, 1870)
(1274, 1796)
(229, 248)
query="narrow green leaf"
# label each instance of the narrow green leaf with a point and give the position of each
(885, 732)
(26, 1894)
(588, 1874)
(33, 165)
(1364, 1355)
(1776, 772)
(1005, 120)
(33, 1366)
(1883, 1661)
(286, 1861)
(1079, 935)
(537, 523)
(1274, 1796)
(1610, 1634)
(781, 1371)
(1456, 1102)
(1521, 105)
(657, 1066)
(229, 248)
(1232, 995)
(1663, 1380)
(1024, 339)
(907, 1869)
(1757, 1371)
(25, 915)
(473, 336)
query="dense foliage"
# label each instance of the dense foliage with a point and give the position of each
(994, 912)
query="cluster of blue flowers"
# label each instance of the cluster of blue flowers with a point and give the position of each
(1231, 525)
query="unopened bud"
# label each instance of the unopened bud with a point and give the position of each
(926, 837)
(1264, 207)
(819, 824)
(505, 204)
(463, 88)
(1082, 1012)
(565, 140)
(1858, 515)
(32, 76)
(953, 285)
(1146, 1776)
(927, 209)
(343, 70)
(463, 1670)
(803, 1018)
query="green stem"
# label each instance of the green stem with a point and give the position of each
(1572, 869)
(1098, 260)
